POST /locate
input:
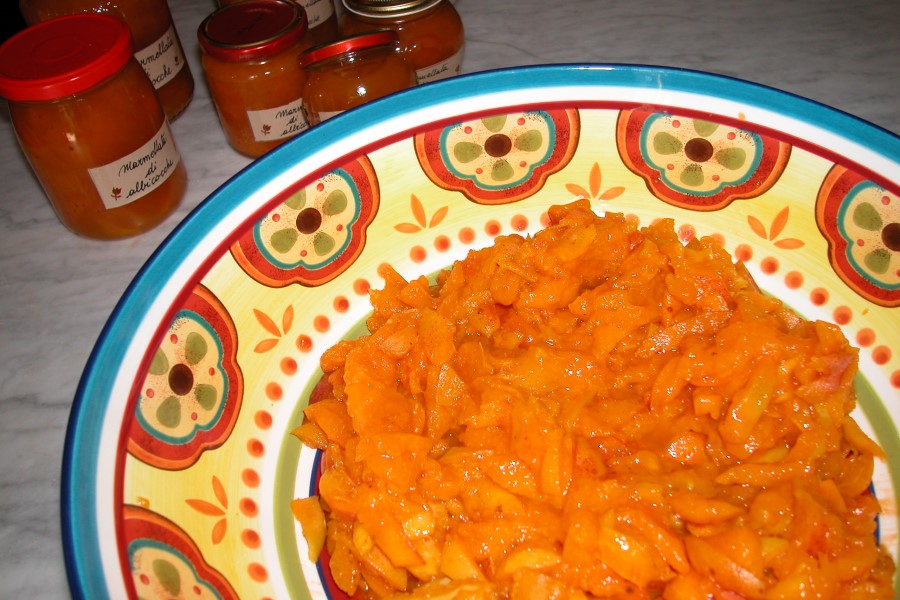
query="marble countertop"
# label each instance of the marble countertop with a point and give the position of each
(57, 290)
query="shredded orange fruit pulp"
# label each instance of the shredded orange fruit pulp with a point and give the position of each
(593, 411)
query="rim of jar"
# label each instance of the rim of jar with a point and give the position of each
(384, 9)
(252, 29)
(355, 43)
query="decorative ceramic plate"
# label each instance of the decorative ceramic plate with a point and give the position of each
(179, 463)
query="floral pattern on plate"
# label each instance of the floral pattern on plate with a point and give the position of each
(697, 163)
(165, 562)
(191, 394)
(315, 232)
(497, 159)
(861, 221)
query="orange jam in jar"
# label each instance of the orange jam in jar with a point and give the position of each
(91, 125)
(158, 48)
(431, 32)
(251, 57)
(321, 16)
(352, 71)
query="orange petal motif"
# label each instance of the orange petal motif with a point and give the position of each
(265, 346)
(778, 223)
(577, 190)
(438, 216)
(757, 227)
(418, 210)
(267, 323)
(207, 508)
(219, 491)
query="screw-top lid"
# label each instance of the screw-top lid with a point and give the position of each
(63, 56)
(388, 8)
(252, 29)
(350, 44)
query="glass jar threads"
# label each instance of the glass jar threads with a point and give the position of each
(321, 16)
(352, 71)
(251, 53)
(91, 125)
(430, 31)
(158, 48)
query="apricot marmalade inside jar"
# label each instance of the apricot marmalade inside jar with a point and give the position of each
(91, 125)
(251, 52)
(158, 47)
(430, 31)
(352, 71)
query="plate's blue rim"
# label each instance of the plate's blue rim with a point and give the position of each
(81, 545)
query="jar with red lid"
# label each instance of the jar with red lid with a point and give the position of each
(251, 58)
(431, 32)
(352, 71)
(321, 16)
(157, 46)
(91, 125)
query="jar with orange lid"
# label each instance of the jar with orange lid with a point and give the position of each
(157, 45)
(352, 71)
(91, 125)
(251, 58)
(431, 32)
(321, 16)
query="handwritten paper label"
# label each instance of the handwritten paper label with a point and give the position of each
(317, 11)
(163, 59)
(134, 176)
(279, 122)
(441, 70)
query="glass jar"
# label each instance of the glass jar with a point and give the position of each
(352, 71)
(431, 32)
(91, 125)
(158, 51)
(321, 16)
(251, 53)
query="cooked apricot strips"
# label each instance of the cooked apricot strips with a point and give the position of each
(595, 411)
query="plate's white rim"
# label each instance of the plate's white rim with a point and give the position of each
(90, 463)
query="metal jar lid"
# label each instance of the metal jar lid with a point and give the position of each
(252, 29)
(388, 8)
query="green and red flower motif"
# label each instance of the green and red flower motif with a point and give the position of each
(499, 159)
(315, 232)
(165, 562)
(191, 394)
(861, 221)
(698, 164)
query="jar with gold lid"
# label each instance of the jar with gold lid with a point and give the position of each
(431, 32)
(351, 72)
(321, 16)
(157, 46)
(91, 125)
(251, 58)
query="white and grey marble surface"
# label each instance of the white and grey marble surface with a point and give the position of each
(57, 290)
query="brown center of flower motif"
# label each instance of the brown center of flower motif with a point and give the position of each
(498, 145)
(181, 379)
(309, 220)
(698, 150)
(890, 236)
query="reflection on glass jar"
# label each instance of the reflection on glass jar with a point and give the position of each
(430, 31)
(321, 16)
(251, 53)
(91, 125)
(157, 46)
(352, 71)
